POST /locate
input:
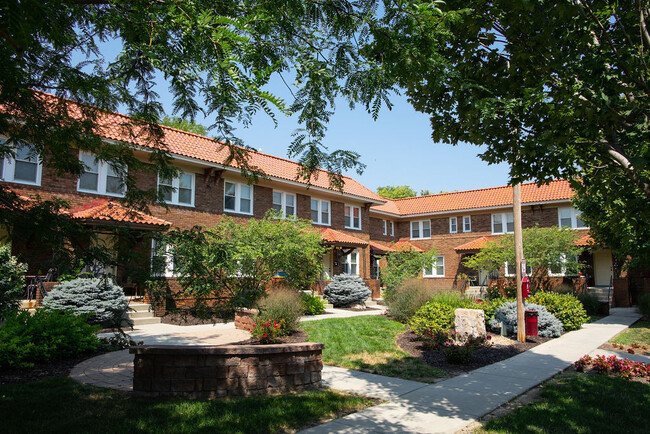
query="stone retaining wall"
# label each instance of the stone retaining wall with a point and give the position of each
(245, 318)
(226, 370)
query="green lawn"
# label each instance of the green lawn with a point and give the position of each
(638, 333)
(63, 405)
(367, 343)
(581, 403)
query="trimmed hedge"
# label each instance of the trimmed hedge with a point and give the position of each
(432, 318)
(564, 307)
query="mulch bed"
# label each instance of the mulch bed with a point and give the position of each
(186, 319)
(502, 348)
(625, 349)
(54, 368)
(296, 337)
(357, 309)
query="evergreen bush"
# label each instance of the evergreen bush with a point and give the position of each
(345, 290)
(432, 318)
(564, 307)
(548, 325)
(101, 299)
(12, 282)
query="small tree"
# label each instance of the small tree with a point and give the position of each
(544, 249)
(12, 281)
(346, 290)
(404, 264)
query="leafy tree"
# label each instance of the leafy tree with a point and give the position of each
(544, 249)
(12, 282)
(233, 263)
(425, 192)
(404, 264)
(184, 124)
(396, 192)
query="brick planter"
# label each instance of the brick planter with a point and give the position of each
(244, 319)
(225, 370)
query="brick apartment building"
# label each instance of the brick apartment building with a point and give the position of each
(359, 225)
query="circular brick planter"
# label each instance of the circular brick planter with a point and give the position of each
(226, 370)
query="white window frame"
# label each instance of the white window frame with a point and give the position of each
(102, 178)
(352, 209)
(320, 221)
(169, 260)
(506, 272)
(574, 213)
(238, 197)
(453, 225)
(8, 165)
(563, 271)
(420, 224)
(346, 263)
(283, 203)
(175, 191)
(433, 271)
(392, 228)
(467, 223)
(384, 224)
(504, 223)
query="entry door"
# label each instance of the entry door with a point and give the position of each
(602, 267)
(327, 266)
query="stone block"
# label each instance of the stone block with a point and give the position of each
(182, 385)
(470, 321)
(174, 371)
(183, 360)
(233, 361)
(160, 385)
(295, 368)
(316, 377)
(238, 372)
(142, 384)
(214, 361)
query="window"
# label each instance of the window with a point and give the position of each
(180, 190)
(23, 168)
(100, 177)
(421, 229)
(238, 197)
(392, 229)
(511, 271)
(352, 217)
(284, 203)
(350, 264)
(320, 212)
(467, 223)
(503, 223)
(569, 217)
(162, 259)
(385, 227)
(559, 268)
(453, 225)
(437, 268)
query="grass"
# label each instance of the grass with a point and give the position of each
(63, 405)
(581, 403)
(367, 343)
(638, 333)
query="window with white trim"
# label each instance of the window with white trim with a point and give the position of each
(420, 229)
(392, 229)
(384, 226)
(238, 197)
(320, 212)
(352, 217)
(453, 225)
(179, 191)
(511, 271)
(284, 204)
(467, 223)
(437, 268)
(24, 168)
(559, 269)
(350, 263)
(503, 223)
(569, 217)
(101, 177)
(162, 259)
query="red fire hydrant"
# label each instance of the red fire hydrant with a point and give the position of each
(525, 288)
(531, 323)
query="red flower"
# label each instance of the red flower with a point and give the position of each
(265, 335)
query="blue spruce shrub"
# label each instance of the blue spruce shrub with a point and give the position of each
(345, 290)
(549, 326)
(12, 282)
(101, 299)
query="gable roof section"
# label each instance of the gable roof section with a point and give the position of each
(557, 190)
(108, 211)
(476, 244)
(113, 126)
(334, 237)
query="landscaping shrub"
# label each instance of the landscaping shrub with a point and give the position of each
(268, 332)
(431, 319)
(28, 339)
(548, 325)
(314, 305)
(285, 306)
(501, 289)
(452, 298)
(100, 299)
(489, 307)
(563, 289)
(623, 368)
(644, 305)
(12, 282)
(590, 303)
(564, 307)
(407, 298)
(345, 290)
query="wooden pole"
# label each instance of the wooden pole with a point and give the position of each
(519, 255)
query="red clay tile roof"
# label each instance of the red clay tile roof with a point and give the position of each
(402, 245)
(380, 248)
(112, 126)
(476, 244)
(585, 241)
(475, 199)
(109, 211)
(331, 236)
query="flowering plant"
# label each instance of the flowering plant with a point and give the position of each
(624, 368)
(268, 332)
(458, 349)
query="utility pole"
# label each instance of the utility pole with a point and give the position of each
(519, 255)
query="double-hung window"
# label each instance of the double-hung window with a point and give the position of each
(569, 217)
(350, 263)
(178, 190)
(388, 227)
(384, 227)
(467, 223)
(437, 268)
(101, 177)
(352, 217)
(453, 225)
(23, 168)
(420, 229)
(560, 268)
(392, 228)
(162, 259)
(320, 212)
(511, 270)
(503, 223)
(238, 197)
(284, 204)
